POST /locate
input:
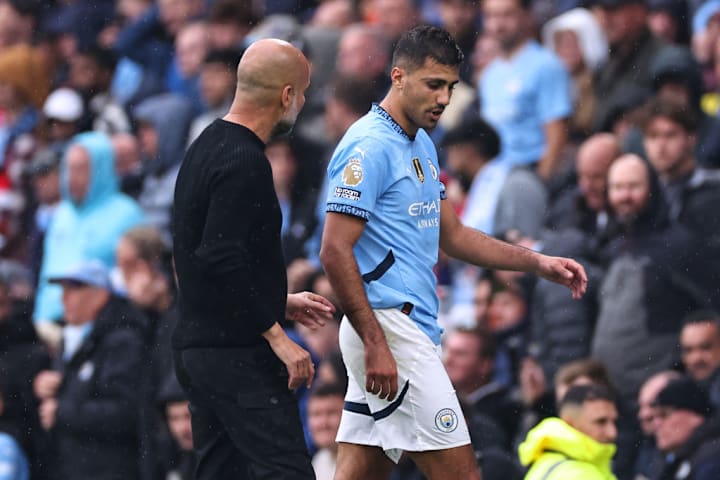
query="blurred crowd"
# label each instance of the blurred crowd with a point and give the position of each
(588, 129)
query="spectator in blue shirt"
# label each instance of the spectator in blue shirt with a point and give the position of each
(525, 91)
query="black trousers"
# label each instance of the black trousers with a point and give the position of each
(245, 421)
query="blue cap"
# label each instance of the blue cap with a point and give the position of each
(704, 14)
(90, 272)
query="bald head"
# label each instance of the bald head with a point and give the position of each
(272, 78)
(601, 148)
(270, 65)
(594, 158)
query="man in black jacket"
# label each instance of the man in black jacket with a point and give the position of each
(89, 403)
(687, 433)
(670, 134)
(232, 356)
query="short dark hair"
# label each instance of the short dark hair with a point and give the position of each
(26, 7)
(524, 4)
(240, 12)
(328, 390)
(227, 57)
(478, 133)
(104, 58)
(579, 394)
(674, 111)
(584, 367)
(426, 42)
(148, 243)
(488, 347)
(702, 316)
(357, 94)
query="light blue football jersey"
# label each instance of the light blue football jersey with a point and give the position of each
(380, 174)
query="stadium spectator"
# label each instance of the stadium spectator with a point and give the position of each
(578, 444)
(649, 459)
(25, 84)
(63, 111)
(175, 409)
(91, 72)
(229, 22)
(87, 224)
(500, 197)
(217, 85)
(632, 50)
(653, 279)
(18, 21)
(584, 206)
(163, 122)
(44, 171)
(525, 92)
(669, 137)
(700, 349)
(577, 39)
(686, 432)
(89, 401)
(469, 358)
(191, 47)
(324, 409)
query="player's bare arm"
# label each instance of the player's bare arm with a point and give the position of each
(555, 138)
(473, 246)
(340, 235)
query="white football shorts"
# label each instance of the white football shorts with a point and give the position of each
(425, 415)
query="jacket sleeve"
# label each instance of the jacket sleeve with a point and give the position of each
(140, 42)
(113, 408)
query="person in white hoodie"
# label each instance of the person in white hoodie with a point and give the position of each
(576, 37)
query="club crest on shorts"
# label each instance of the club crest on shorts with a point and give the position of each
(353, 173)
(418, 169)
(446, 420)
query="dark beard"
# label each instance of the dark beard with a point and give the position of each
(465, 181)
(283, 127)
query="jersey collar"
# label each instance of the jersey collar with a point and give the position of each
(376, 108)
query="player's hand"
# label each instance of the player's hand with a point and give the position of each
(564, 271)
(381, 376)
(296, 359)
(309, 309)
(46, 384)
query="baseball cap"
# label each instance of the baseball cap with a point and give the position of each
(90, 272)
(704, 14)
(64, 104)
(684, 394)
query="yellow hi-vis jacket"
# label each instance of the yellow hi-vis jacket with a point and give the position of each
(557, 451)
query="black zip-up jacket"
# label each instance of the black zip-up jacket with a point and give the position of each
(98, 417)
